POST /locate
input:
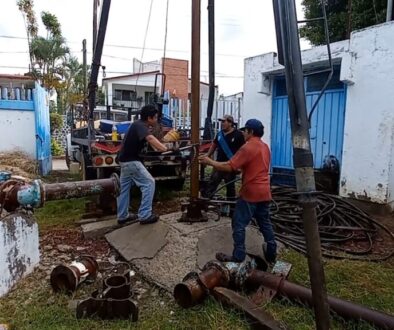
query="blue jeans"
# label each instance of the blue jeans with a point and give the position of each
(244, 211)
(135, 173)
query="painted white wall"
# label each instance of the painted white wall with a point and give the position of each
(369, 118)
(257, 104)
(18, 131)
(19, 252)
(367, 66)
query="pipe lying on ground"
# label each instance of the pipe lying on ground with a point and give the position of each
(196, 287)
(68, 278)
(35, 194)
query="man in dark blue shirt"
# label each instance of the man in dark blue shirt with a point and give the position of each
(227, 142)
(133, 172)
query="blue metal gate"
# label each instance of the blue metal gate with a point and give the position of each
(327, 126)
(43, 134)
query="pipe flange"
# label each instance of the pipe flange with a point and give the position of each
(219, 266)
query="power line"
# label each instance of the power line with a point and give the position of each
(137, 47)
(128, 73)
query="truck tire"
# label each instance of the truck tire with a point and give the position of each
(87, 173)
(176, 184)
(67, 157)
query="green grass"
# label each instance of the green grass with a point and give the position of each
(33, 305)
(60, 214)
(365, 283)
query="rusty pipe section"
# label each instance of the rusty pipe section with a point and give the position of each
(68, 278)
(195, 287)
(302, 294)
(36, 193)
(77, 189)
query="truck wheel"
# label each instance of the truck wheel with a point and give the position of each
(88, 173)
(68, 161)
(176, 184)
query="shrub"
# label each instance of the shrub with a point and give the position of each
(56, 121)
(56, 148)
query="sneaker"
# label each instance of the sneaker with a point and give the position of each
(222, 257)
(130, 219)
(152, 219)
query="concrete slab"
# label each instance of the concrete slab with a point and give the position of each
(139, 241)
(99, 229)
(166, 251)
(95, 219)
(219, 239)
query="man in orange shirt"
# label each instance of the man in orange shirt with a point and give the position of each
(253, 160)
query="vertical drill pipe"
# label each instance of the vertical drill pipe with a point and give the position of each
(195, 102)
(77, 189)
(303, 159)
(98, 50)
(208, 130)
(302, 294)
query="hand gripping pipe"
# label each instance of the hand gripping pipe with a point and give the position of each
(195, 287)
(20, 194)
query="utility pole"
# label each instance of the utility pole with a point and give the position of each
(349, 19)
(290, 57)
(84, 66)
(95, 5)
(195, 102)
(390, 11)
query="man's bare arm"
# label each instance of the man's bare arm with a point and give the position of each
(211, 150)
(220, 166)
(155, 143)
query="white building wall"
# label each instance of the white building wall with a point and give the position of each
(367, 67)
(256, 103)
(18, 131)
(19, 252)
(369, 118)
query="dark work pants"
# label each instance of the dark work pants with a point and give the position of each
(244, 212)
(216, 178)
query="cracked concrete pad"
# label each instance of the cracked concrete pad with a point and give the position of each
(220, 239)
(139, 241)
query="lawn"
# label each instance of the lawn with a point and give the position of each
(32, 305)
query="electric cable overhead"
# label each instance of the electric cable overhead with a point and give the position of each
(165, 45)
(143, 46)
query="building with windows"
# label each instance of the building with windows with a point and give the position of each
(352, 127)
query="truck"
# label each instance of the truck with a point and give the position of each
(94, 144)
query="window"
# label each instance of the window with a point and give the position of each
(124, 95)
(313, 83)
(316, 82)
(280, 89)
(149, 97)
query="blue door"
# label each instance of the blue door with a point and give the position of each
(327, 124)
(43, 134)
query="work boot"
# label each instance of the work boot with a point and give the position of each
(152, 219)
(222, 257)
(130, 219)
(270, 258)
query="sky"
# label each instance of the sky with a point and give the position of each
(242, 29)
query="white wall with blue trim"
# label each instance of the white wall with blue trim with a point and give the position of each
(25, 124)
(366, 68)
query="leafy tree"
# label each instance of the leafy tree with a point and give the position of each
(48, 55)
(26, 7)
(51, 24)
(344, 16)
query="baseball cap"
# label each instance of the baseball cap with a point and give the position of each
(228, 118)
(254, 124)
